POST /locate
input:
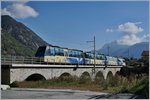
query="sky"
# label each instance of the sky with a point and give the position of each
(72, 24)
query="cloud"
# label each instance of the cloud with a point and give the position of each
(129, 40)
(19, 9)
(131, 31)
(130, 28)
(145, 38)
(109, 30)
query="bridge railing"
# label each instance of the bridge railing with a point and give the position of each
(8, 60)
(21, 60)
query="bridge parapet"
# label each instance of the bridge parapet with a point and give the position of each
(8, 60)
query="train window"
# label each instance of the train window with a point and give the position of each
(80, 54)
(98, 57)
(61, 52)
(56, 51)
(70, 53)
(77, 54)
(102, 57)
(52, 51)
(86, 55)
(89, 55)
(73, 54)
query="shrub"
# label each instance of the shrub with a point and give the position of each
(14, 84)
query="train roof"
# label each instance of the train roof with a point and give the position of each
(61, 47)
(93, 53)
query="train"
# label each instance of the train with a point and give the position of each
(62, 55)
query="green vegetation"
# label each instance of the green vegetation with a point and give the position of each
(141, 87)
(131, 79)
(117, 84)
(10, 46)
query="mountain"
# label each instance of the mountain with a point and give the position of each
(17, 39)
(136, 50)
(116, 49)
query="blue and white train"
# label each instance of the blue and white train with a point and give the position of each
(61, 55)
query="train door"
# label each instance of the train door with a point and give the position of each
(66, 53)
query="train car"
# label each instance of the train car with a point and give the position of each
(89, 59)
(56, 54)
(101, 59)
(61, 55)
(75, 56)
(121, 62)
(112, 61)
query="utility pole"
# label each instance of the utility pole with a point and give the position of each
(94, 55)
(128, 54)
(108, 47)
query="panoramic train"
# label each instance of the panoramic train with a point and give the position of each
(61, 55)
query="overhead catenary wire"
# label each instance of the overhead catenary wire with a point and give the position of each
(84, 45)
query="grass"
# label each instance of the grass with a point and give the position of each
(118, 85)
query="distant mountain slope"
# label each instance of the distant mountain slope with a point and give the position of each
(114, 49)
(136, 50)
(123, 50)
(17, 39)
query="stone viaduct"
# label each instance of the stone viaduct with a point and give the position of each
(20, 72)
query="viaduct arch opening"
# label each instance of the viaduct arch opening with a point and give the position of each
(117, 74)
(85, 78)
(99, 77)
(35, 77)
(65, 77)
(110, 79)
(109, 75)
(85, 75)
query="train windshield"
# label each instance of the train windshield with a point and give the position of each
(41, 51)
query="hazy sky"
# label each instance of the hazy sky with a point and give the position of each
(71, 24)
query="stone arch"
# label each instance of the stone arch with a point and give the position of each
(65, 74)
(109, 75)
(117, 74)
(117, 78)
(99, 76)
(86, 74)
(35, 77)
(110, 79)
(65, 77)
(85, 77)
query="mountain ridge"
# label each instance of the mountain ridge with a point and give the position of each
(133, 51)
(21, 35)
